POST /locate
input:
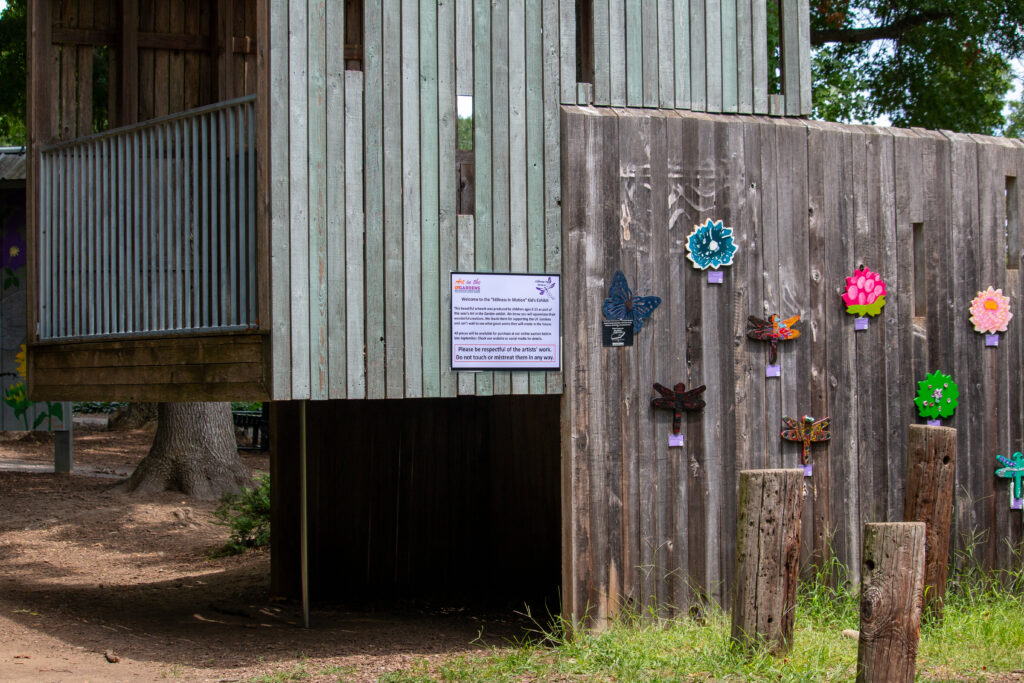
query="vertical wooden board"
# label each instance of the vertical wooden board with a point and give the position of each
(85, 72)
(463, 37)
(337, 123)
(448, 14)
(789, 42)
(698, 56)
(744, 56)
(567, 49)
(373, 146)
(804, 38)
(355, 225)
(535, 155)
(518, 259)
(731, 156)
(482, 153)
(161, 62)
(319, 229)
(713, 54)
(633, 25)
(759, 54)
(552, 162)
(681, 52)
(410, 200)
(632, 192)
(176, 80)
(771, 257)
(500, 168)
(649, 36)
(147, 62)
(731, 29)
(394, 250)
(429, 45)
(666, 55)
(823, 174)
(299, 200)
(842, 376)
(602, 57)
(617, 53)
(897, 415)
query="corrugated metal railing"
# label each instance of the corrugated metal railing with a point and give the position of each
(151, 228)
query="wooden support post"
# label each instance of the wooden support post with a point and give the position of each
(767, 557)
(128, 59)
(931, 473)
(63, 451)
(890, 602)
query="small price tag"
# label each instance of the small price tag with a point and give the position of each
(860, 324)
(808, 470)
(934, 423)
(676, 440)
(1016, 503)
(715, 277)
(773, 371)
(991, 340)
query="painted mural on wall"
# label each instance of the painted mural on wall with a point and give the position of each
(18, 412)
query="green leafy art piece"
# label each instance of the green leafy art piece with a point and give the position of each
(937, 396)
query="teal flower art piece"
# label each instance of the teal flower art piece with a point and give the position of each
(710, 245)
(1013, 469)
(937, 396)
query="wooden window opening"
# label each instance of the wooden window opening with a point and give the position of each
(353, 35)
(1013, 245)
(464, 156)
(920, 273)
(584, 41)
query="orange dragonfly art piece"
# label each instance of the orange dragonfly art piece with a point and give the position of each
(807, 431)
(772, 331)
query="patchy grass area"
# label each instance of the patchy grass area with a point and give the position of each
(980, 639)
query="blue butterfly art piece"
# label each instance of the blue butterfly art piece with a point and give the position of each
(623, 304)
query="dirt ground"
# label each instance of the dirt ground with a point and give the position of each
(89, 574)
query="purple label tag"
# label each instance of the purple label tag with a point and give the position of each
(773, 371)
(715, 277)
(991, 340)
(676, 440)
(808, 470)
(860, 324)
(934, 423)
(1016, 503)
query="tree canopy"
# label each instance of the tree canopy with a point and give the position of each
(12, 73)
(930, 63)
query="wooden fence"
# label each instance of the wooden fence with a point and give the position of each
(935, 214)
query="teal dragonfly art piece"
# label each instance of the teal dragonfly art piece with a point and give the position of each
(1013, 469)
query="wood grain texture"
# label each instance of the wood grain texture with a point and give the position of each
(890, 601)
(767, 558)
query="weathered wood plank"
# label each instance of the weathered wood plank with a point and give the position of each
(567, 49)
(535, 156)
(463, 47)
(553, 234)
(373, 146)
(518, 248)
(759, 55)
(633, 26)
(298, 125)
(483, 218)
(617, 52)
(449, 13)
(317, 201)
(466, 261)
(500, 150)
(429, 196)
(355, 264)
(731, 29)
(681, 52)
(744, 56)
(649, 31)
(339, 120)
(601, 48)
(713, 54)
(410, 204)
(394, 86)
(666, 55)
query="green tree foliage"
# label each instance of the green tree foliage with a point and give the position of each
(930, 63)
(12, 73)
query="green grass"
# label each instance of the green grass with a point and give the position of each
(982, 633)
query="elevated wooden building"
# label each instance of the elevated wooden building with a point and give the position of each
(281, 196)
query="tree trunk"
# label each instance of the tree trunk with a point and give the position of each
(194, 452)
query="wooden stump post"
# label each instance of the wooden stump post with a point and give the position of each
(890, 602)
(931, 473)
(767, 557)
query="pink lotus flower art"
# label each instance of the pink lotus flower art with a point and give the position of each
(990, 311)
(865, 293)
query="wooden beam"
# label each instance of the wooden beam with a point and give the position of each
(128, 84)
(150, 40)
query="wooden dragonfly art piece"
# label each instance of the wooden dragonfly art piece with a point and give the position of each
(773, 330)
(677, 400)
(1013, 469)
(807, 430)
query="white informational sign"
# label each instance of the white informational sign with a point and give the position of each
(506, 321)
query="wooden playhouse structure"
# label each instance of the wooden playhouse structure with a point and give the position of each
(281, 196)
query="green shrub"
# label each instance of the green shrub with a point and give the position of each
(97, 406)
(248, 515)
(254, 406)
